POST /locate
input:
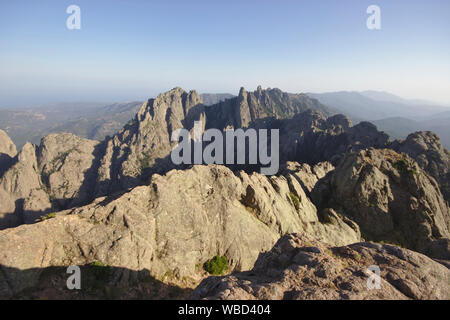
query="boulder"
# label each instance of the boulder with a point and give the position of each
(391, 198)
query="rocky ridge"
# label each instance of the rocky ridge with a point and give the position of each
(215, 212)
(74, 171)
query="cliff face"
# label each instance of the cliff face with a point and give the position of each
(7, 151)
(144, 144)
(7, 147)
(22, 193)
(247, 107)
(391, 198)
(57, 174)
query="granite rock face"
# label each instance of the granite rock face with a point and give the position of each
(7, 151)
(60, 173)
(143, 146)
(248, 107)
(22, 194)
(391, 198)
(311, 137)
(68, 168)
(300, 267)
(425, 147)
(6, 145)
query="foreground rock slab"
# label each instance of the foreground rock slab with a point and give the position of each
(169, 227)
(299, 267)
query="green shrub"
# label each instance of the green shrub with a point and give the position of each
(401, 166)
(48, 216)
(145, 161)
(295, 200)
(217, 265)
(97, 264)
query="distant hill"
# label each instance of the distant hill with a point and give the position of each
(396, 116)
(87, 120)
(397, 127)
(101, 122)
(386, 96)
(374, 105)
(401, 127)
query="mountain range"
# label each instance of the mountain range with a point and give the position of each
(394, 115)
(346, 197)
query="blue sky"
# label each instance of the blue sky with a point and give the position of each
(130, 50)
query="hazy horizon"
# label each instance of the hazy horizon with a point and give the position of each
(128, 51)
(236, 92)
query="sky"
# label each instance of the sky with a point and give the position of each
(134, 49)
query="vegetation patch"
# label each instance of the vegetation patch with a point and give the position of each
(401, 166)
(169, 275)
(145, 161)
(217, 265)
(48, 216)
(357, 256)
(295, 200)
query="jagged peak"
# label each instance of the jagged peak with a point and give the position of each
(259, 89)
(28, 152)
(242, 92)
(174, 90)
(179, 92)
(7, 146)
